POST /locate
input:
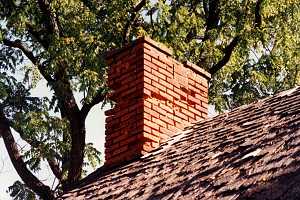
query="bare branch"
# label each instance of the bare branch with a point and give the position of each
(132, 18)
(29, 179)
(87, 107)
(227, 54)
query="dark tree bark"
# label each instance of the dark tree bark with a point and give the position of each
(132, 18)
(227, 54)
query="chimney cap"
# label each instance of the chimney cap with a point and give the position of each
(162, 48)
(159, 46)
(197, 69)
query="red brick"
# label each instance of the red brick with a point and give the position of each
(201, 109)
(147, 116)
(128, 140)
(148, 104)
(151, 65)
(170, 131)
(147, 147)
(167, 60)
(159, 110)
(193, 100)
(204, 105)
(167, 120)
(151, 112)
(120, 150)
(166, 96)
(149, 136)
(158, 74)
(159, 86)
(158, 63)
(203, 99)
(147, 92)
(121, 136)
(156, 133)
(173, 94)
(181, 115)
(195, 111)
(180, 126)
(166, 84)
(147, 69)
(167, 108)
(179, 93)
(173, 82)
(151, 88)
(181, 104)
(159, 122)
(147, 57)
(151, 124)
(155, 96)
(151, 76)
(199, 118)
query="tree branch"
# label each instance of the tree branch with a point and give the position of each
(67, 104)
(54, 166)
(69, 107)
(99, 97)
(258, 18)
(19, 45)
(212, 12)
(227, 54)
(132, 18)
(50, 18)
(37, 36)
(29, 179)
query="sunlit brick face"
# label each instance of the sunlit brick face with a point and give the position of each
(155, 98)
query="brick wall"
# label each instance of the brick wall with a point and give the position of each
(155, 96)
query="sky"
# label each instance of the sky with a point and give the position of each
(95, 123)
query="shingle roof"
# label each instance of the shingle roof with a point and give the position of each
(251, 152)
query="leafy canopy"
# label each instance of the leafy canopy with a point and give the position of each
(251, 47)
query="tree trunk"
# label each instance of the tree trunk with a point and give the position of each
(78, 133)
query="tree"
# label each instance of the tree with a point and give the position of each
(251, 47)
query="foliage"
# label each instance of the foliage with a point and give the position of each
(19, 191)
(265, 60)
(251, 47)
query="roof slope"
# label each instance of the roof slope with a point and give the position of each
(252, 152)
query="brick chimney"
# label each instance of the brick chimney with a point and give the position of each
(155, 96)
